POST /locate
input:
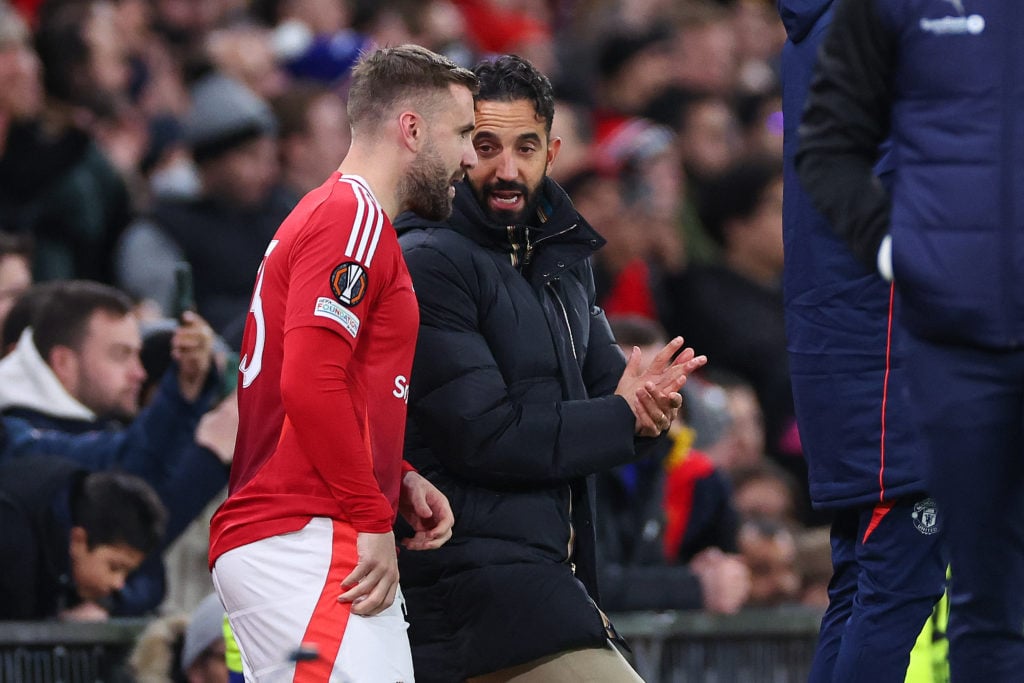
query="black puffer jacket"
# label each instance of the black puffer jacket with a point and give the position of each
(511, 407)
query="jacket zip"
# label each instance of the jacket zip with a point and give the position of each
(514, 256)
(565, 316)
(572, 345)
(572, 537)
(531, 247)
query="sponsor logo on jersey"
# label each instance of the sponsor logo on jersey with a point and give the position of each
(329, 308)
(925, 516)
(349, 283)
(962, 24)
(401, 388)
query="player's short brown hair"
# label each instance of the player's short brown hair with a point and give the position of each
(406, 73)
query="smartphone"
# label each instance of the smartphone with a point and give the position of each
(184, 292)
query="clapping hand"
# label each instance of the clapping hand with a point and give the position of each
(652, 392)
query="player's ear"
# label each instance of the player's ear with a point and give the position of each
(411, 130)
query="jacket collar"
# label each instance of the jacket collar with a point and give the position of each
(26, 381)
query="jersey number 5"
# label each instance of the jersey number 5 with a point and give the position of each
(251, 365)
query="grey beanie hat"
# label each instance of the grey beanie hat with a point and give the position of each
(204, 629)
(224, 114)
(707, 411)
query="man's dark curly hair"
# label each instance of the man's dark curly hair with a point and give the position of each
(510, 78)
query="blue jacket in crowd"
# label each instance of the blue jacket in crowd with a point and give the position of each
(158, 446)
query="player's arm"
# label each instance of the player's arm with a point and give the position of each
(332, 291)
(317, 398)
(316, 394)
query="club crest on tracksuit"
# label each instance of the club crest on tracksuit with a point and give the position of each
(925, 516)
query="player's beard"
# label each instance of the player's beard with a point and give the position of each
(426, 186)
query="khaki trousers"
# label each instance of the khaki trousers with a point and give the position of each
(590, 665)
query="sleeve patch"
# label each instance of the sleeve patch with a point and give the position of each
(349, 283)
(329, 308)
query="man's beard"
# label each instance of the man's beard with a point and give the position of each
(425, 187)
(526, 215)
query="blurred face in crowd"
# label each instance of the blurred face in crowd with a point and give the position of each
(567, 126)
(766, 227)
(759, 32)
(244, 175)
(15, 278)
(515, 155)
(743, 444)
(195, 17)
(600, 200)
(772, 563)
(329, 132)
(445, 156)
(210, 666)
(711, 138)
(246, 54)
(756, 240)
(108, 60)
(21, 86)
(323, 17)
(706, 56)
(101, 570)
(766, 498)
(105, 372)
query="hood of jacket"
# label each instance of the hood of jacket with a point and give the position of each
(799, 16)
(26, 381)
(560, 222)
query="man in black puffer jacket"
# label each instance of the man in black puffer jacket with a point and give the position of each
(518, 394)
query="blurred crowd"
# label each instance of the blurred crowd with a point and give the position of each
(139, 134)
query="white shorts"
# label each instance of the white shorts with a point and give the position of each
(281, 594)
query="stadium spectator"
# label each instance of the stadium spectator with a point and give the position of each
(57, 183)
(77, 371)
(314, 134)
(655, 515)
(15, 270)
(182, 647)
(223, 232)
(769, 550)
(70, 538)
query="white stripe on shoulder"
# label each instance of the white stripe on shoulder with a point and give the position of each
(361, 219)
(374, 224)
(371, 220)
(376, 237)
(371, 236)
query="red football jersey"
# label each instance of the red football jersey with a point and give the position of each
(334, 263)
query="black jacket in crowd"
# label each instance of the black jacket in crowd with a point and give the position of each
(36, 495)
(633, 570)
(511, 408)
